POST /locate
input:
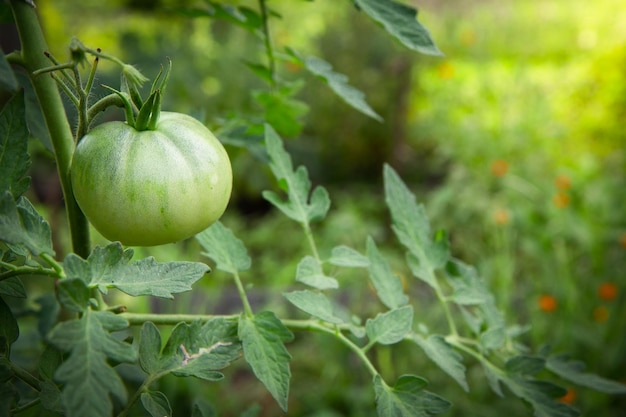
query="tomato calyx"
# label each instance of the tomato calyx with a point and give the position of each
(147, 111)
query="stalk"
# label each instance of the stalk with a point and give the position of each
(33, 53)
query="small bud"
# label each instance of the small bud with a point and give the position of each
(133, 75)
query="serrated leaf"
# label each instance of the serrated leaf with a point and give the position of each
(7, 78)
(574, 371)
(200, 350)
(444, 356)
(20, 224)
(281, 110)
(156, 403)
(348, 257)
(302, 205)
(110, 267)
(51, 397)
(241, 16)
(407, 398)
(339, 84)
(541, 396)
(9, 330)
(14, 158)
(48, 313)
(74, 295)
(149, 348)
(226, 250)
(400, 21)
(315, 304)
(411, 226)
(89, 381)
(469, 289)
(388, 286)
(493, 379)
(309, 272)
(495, 334)
(12, 287)
(525, 365)
(263, 338)
(202, 409)
(390, 327)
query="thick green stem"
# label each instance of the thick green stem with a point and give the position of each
(33, 48)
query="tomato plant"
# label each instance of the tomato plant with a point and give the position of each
(148, 181)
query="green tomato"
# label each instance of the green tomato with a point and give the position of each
(151, 187)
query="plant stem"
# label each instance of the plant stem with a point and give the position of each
(309, 236)
(15, 271)
(33, 48)
(242, 294)
(136, 319)
(269, 49)
(25, 376)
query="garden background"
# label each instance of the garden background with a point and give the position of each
(514, 140)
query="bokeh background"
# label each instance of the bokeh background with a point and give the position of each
(515, 141)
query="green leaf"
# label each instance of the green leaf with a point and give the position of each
(541, 395)
(226, 250)
(12, 287)
(73, 294)
(199, 350)
(89, 381)
(7, 78)
(51, 397)
(401, 22)
(149, 348)
(525, 365)
(339, 84)
(110, 267)
(309, 272)
(301, 205)
(407, 398)
(14, 158)
(574, 371)
(346, 256)
(388, 286)
(20, 224)
(156, 403)
(495, 335)
(9, 330)
(469, 289)
(315, 304)
(444, 355)
(283, 112)
(202, 409)
(263, 338)
(390, 327)
(241, 16)
(412, 228)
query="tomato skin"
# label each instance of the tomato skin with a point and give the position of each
(151, 187)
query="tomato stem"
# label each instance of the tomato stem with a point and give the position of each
(33, 47)
(269, 49)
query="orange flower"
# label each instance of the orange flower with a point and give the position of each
(499, 167)
(547, 303)
(563, 182)
(445, 71)
(569, 397)
(607, 291)
(501, 216)
(600, 314)
(561, 199)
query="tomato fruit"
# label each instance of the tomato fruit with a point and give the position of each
(151, 187)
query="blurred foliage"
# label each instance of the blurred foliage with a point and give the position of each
(514, 140)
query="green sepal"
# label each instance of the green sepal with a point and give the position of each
(128, 107)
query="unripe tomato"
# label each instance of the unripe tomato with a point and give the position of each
(151, 187)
